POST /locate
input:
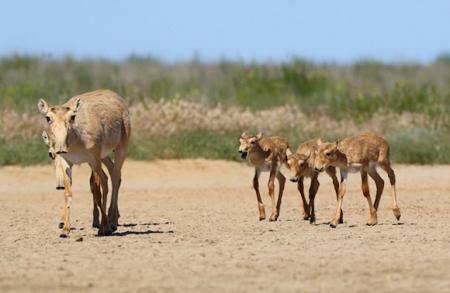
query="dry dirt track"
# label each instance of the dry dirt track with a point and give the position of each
(192, 226)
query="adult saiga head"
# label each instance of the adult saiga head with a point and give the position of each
(61, 121)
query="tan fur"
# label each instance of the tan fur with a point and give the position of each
(361, 153)
(87, 129)
(266, 154)
(301, 165)
(63, 174)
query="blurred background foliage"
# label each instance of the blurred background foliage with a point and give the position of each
(364, 91)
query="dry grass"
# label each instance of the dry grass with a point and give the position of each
(166, 118)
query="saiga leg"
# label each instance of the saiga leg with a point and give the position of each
(301, 189)
(365, 189)
(271, 186)
(281, 181)
(113, 213)
(312, 195)
(95, 212)
(342, 186)
(110, 166)
(105, 228)
(67, 201)
(63, 171)
(262, 212)
(379, 182)
(331, 171)
(395, 209)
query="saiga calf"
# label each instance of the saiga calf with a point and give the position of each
(361, 153)
(301, 165)
(266, 154)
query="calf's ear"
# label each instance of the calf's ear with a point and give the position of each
(77, 106)
(259, 135)
(288, 152)
(307, 155)
(45, 137)
(43, 107)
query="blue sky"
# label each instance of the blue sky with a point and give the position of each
(342, 31)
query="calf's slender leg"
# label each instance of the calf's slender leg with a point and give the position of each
(395, 209)
(379, 182)
(342, 186)
(95, 212)
(331, 171)
(262, 212)
(365, 189)
(313, 188)
(63, 170)
(281, 181)
(301, 189)
(67, 201)
(271, 186)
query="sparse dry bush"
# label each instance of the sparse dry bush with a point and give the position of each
(168, 117)
(196, 109)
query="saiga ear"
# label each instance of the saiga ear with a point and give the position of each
(337, 143)
(288, 152)
(259, 135)
(244, 134)
(45, 137)
(319, 141)
(77, 106)
(43, 107)
(307, 155)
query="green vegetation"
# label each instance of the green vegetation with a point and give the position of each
(412, 147)
(362, 93)
(23, 152)
(358, 90)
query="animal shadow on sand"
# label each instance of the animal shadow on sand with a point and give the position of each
(144, 232)
(364, 225)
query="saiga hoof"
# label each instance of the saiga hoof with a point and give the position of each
(312, 220)
(306, 218)
(96, 225)
(60, 225)
(333, 223)
(104, 232)
(273, 218)
(262, 218)
(64, 234)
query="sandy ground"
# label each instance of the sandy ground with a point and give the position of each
(193, 226)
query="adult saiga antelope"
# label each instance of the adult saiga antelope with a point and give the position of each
(361, 153)
(63, 174)
(266, 154)
(87, 128)
(301, 165)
